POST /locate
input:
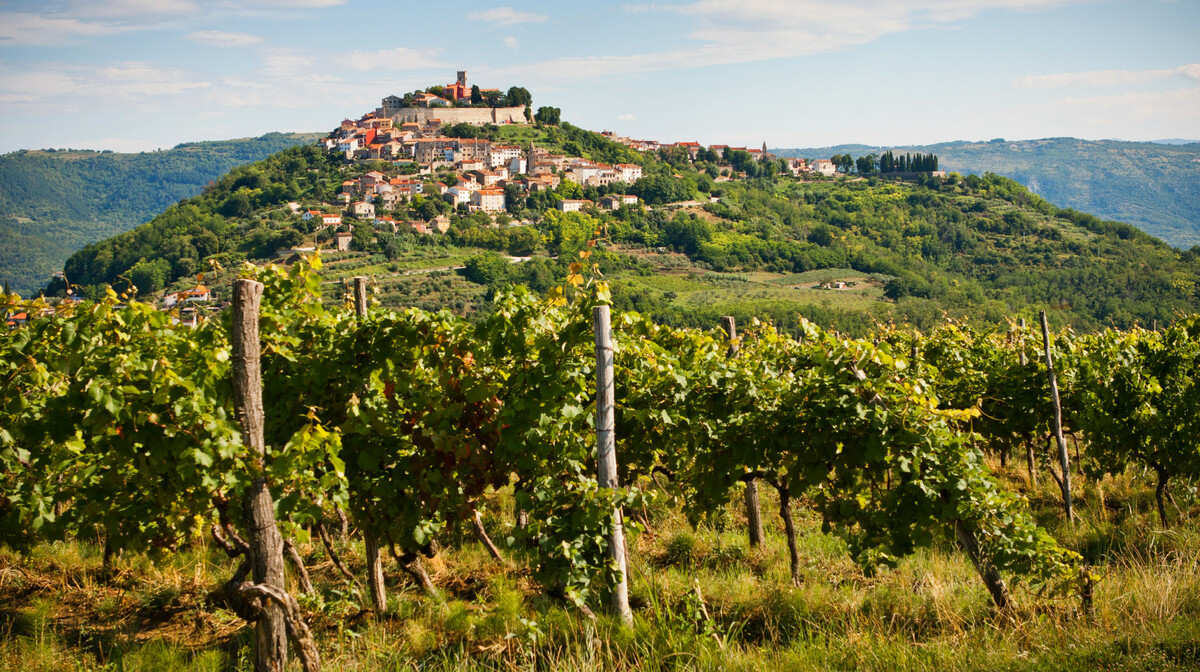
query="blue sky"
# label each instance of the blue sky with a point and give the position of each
(132, 75)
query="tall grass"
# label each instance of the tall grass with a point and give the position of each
(703, 600)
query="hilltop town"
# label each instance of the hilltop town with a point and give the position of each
(459, 178)
(423, 134)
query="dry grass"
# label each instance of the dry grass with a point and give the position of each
(61, 611)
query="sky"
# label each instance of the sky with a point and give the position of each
(139, 75)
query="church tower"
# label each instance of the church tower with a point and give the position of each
(462, 78)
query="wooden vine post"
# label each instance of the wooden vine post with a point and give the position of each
(374, 559)
(266, 543)
(1063, 456)
(753, 507)
(606, 457)
(1030, 461)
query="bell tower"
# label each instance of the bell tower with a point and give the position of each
(462, 78)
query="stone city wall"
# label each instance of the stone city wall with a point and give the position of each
(457, 115)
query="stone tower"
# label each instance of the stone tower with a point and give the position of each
(462, 78)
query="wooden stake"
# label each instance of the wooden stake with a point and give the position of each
(1063, 457)
(606, 456)
(1029, 457)
(266, 544)
(753, 507)
(375, 580)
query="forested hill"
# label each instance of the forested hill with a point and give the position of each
(1154, 186)
(975, 247)
(53, 202)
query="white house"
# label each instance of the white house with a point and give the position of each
(630, 172)
(502, 155)
(573, 205)
(488, 200)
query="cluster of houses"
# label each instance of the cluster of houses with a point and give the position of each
(797, 166)
(481, 169)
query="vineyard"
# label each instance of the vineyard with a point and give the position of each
(327, 455)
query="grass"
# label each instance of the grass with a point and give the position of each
(62, 612)
(696, 288)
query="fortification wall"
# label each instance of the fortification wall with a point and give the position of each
(458, 115)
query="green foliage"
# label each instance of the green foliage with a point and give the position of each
(1145, 184)
(548, 115)
(54, 203)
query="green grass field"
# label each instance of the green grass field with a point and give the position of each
(703, 599)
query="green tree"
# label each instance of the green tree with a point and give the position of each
(489, 269)
(550, 116)
(149, 276)
(518, 97)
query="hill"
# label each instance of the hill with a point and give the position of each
(53, 202)
(1154, 186)
(719, 237)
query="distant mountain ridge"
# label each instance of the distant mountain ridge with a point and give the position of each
(1152, 185)
(53, 202)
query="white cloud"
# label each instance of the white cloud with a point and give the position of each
(81, 86)
(76, 19)
(1105, 77)
(283, 4)
(131, 8)
(1146, 115)
(507, 16)
(743, 31)
(221, 38)
(390, 60)
(145, 79)
(511, 42)
(35, 30)
(626, 117)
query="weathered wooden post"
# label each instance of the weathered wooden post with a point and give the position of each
(374, 560)
(753, 507)
(1063, 457)
(1030, 460)
(606, 455)
(266, 544)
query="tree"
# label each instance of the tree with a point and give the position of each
(150, 276)
(548, 115)
(362, 238)
(487, 269)
(518, 96)
(476, 96)
(566, 233)
(237, 205)
(523, 241)
(866, 164)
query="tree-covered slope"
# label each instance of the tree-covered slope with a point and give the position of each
(54, 202)
(973, 247)
(1153, 186)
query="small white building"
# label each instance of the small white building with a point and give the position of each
(824, 167)
(573, 204)
(502, 155)
(630, 172)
